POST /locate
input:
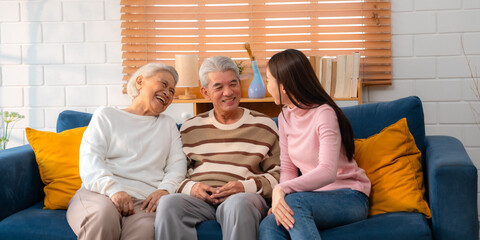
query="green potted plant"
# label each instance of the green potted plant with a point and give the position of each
(9, 119)
(240, 66)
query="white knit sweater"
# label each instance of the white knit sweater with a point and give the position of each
(137, 154)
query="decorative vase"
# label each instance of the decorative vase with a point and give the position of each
(257, 87)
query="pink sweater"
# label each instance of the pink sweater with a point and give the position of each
(310, 141)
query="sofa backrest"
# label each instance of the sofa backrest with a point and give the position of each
(370, 118)
(72, 119)
(366, 119)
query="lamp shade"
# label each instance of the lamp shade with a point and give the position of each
(187, 68)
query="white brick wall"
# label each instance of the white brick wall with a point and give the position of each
(419, 67)
(86, 96)
(104, 74)
(42, 54)
(63, 32)
(446, 90)
(64, 75)
(468, 4)
(437, 4)
(21, 33)
(10, 54)
(57, 55)
(11, 97)
(413, 22)
(458, 21)
(22, 75)
(85, 53)
(40, 11)
(470, 42)
(9, 11)
(44, 96)
(85, 11)
(445, 44)
(66, 54)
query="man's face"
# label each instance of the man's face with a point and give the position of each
(223, 90)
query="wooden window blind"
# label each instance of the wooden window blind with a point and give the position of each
(156, 30)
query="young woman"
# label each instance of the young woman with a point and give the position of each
(316, 139)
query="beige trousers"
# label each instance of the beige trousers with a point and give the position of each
(94, 216)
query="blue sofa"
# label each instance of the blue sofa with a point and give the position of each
(450, 179)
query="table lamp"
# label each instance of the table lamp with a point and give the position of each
(187, 68)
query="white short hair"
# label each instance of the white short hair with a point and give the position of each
(146, 71)
(216, 64)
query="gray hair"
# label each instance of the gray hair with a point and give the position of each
(216, 64)
(147, 71)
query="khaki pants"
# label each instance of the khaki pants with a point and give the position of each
(94, 216)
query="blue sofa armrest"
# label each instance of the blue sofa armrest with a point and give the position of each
(20, 182)
(452, 189)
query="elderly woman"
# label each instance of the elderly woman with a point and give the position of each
(129, 159)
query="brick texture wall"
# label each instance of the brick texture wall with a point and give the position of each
(57, 55)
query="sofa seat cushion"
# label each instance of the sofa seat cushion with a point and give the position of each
(41, 224)
(391, 226)
(209, 230)
(36, 223)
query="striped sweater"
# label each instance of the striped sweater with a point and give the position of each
(247, 151)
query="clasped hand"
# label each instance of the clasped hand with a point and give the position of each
(124, 203)
(216, 196)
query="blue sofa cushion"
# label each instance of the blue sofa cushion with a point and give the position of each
(209, 230)
(36, 223)
(72, 119)
(369, 119)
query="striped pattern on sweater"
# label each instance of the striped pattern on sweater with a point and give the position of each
(247, 151)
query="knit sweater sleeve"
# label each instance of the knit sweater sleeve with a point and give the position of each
(186, 185)
(176, 166)
(288, 169)
(94, 173)
(325, 172)
(264, 183)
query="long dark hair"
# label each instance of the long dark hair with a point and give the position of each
(292, 69)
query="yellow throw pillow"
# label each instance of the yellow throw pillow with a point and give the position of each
(57, 158)
(392, 163)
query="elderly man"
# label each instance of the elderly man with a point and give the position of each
(233, 156)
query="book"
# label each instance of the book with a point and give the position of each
(327, 66)
(333, 78)
(340, 77)
(355, 74)
(348, 76)
(318, 67)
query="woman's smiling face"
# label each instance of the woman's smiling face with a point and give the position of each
(156, 92)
